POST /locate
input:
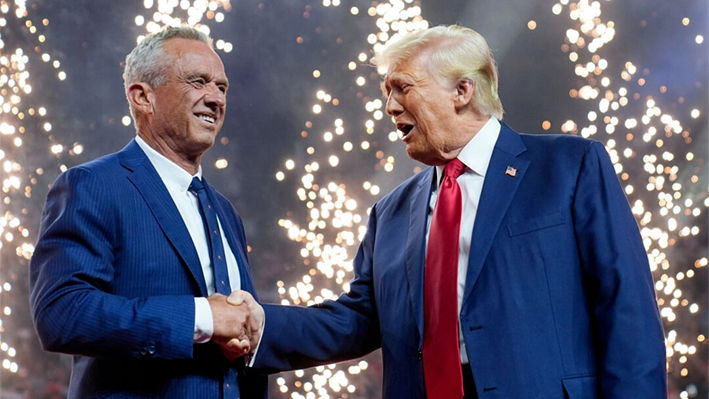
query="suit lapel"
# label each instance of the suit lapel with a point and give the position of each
(415, 253)
(498, 190)
(153, 190)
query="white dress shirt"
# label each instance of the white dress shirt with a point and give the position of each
(177, 181)
(476, 157)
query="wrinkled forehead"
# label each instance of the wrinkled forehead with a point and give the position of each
(404, 66)
(179, 48)
(393, 70)
(417, 68)
(194, 55)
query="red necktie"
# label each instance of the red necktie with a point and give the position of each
(441, 350)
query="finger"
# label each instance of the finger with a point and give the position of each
(248, 332)
(245, 345)
(254, 326)
(257, 315)
(248, 298)
(239, 346)
(255, 338)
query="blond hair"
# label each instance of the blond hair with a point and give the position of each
(454, 53)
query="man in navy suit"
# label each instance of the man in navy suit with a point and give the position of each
(551, 280)
(122, 276)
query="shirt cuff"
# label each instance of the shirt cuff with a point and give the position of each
(251, 357)
(203, 321)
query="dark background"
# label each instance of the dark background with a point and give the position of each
(272, 91)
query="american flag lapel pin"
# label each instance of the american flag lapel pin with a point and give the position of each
(511, 171)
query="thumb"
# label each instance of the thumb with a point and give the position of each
(236, 297)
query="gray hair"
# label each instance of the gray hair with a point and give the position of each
(456, 53)
(147, 62)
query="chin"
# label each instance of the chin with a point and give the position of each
(207, 137)
(426, 157)
(418, 155)
(202, 144)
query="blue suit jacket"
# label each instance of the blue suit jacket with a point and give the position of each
(559, 301)
(113, 281)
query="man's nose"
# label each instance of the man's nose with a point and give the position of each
(393, 107)
(215, 96)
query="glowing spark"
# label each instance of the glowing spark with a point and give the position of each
(18, 66)
(335, 223)
(671, 215)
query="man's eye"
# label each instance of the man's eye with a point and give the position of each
(198, 82)
(400, 88)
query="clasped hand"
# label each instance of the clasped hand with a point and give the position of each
(238, 323)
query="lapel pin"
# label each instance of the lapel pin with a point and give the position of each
(511, 171)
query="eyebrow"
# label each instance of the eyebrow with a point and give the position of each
(392, 80)
(389, 80)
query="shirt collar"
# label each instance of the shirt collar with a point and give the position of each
(477, 153)
(174, 177)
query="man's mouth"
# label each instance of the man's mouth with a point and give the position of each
(207, 118)
(404, 128)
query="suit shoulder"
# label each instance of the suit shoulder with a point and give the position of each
(556, 140)
(97, 169)
(98, 165)
(558, 147)
(127, 159)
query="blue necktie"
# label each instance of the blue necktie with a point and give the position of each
(214, 237)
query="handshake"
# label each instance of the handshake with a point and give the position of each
(238, 323)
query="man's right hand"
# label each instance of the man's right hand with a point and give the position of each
(232, 326)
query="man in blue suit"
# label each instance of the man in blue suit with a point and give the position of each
(552, 296)
(123, 276)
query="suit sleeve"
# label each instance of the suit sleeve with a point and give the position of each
(630, 340)
(297, 337)
(71, 274)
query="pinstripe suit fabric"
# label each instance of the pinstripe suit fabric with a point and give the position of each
(113, 280)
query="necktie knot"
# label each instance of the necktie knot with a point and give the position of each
(196, 185)
(454, 168)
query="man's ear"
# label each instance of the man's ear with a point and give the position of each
(464, 91)
(140, 96)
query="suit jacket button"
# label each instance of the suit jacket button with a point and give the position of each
(143, 352)
(151, 349)
(420, 355)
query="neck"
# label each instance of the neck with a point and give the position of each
(472, 125)
(467, 129)
(190, 164)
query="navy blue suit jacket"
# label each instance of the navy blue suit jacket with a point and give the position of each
(113, 281)
(559, 301)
